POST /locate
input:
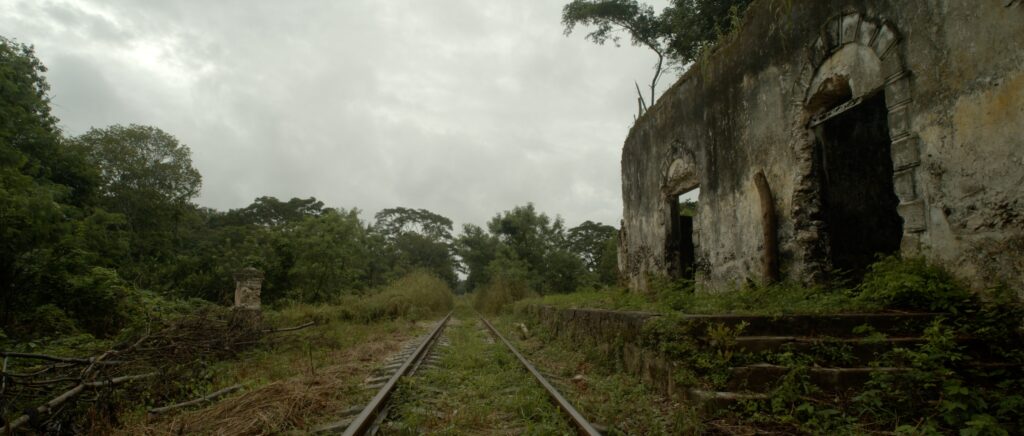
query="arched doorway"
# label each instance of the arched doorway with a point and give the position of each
(853, 133)
(681, 190)
(858, 198)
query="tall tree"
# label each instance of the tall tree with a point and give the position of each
(29, 210)
(141, 164)
(476, 250)
(52, 237)
(530, 234)
(398, 220)
(417, 238)
(330, 255)
(590, 241)
(270, 212)
(540, 243)
(147, 176)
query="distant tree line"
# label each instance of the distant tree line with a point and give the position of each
(91, 226)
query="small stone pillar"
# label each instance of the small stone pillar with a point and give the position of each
(248, 283)
(246, 311)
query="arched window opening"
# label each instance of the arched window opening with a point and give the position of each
(681, 251)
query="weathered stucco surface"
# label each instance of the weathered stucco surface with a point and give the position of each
(952, 75)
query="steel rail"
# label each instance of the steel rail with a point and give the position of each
(582, 425)
(366, 418)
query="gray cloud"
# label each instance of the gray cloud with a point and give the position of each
(463, 107)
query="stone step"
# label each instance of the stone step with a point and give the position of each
(716, 400)
(629, 326)
(829, 351)
(836, 325)
(764, 376)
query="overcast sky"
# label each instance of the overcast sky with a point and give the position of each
(463, 107)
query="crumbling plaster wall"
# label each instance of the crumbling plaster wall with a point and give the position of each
(953, 73)
(969, 117)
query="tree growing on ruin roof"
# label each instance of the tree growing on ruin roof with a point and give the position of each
(676, 36)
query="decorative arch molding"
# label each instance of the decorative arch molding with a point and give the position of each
(821, 98)
(681, 175)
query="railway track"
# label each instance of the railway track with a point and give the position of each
(582, 425)
(405, 364)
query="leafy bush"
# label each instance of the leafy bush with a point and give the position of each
(49, 319)
(913, 284)
(102, 302)
(939, 392)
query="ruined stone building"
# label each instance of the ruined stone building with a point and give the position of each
(880, 126)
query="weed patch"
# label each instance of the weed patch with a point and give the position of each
(592, 378)
(964, 374)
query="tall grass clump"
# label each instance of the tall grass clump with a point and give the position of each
(500, 293)
(415, 296)
(509, 281)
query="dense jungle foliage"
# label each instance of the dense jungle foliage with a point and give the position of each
(93, 227)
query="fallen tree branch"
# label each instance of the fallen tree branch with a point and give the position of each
(211, 397)
(288, 329)
(60, 399)
(100, 360)
(119, 380)
(46, 382)
(29, 375)
(58, 358)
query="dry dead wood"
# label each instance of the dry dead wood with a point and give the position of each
(50, 358)
(51, 381)
(211, 397)
(173, 346)
(288, 329)
(60, 399)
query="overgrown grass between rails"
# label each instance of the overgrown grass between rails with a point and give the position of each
(479, 388)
